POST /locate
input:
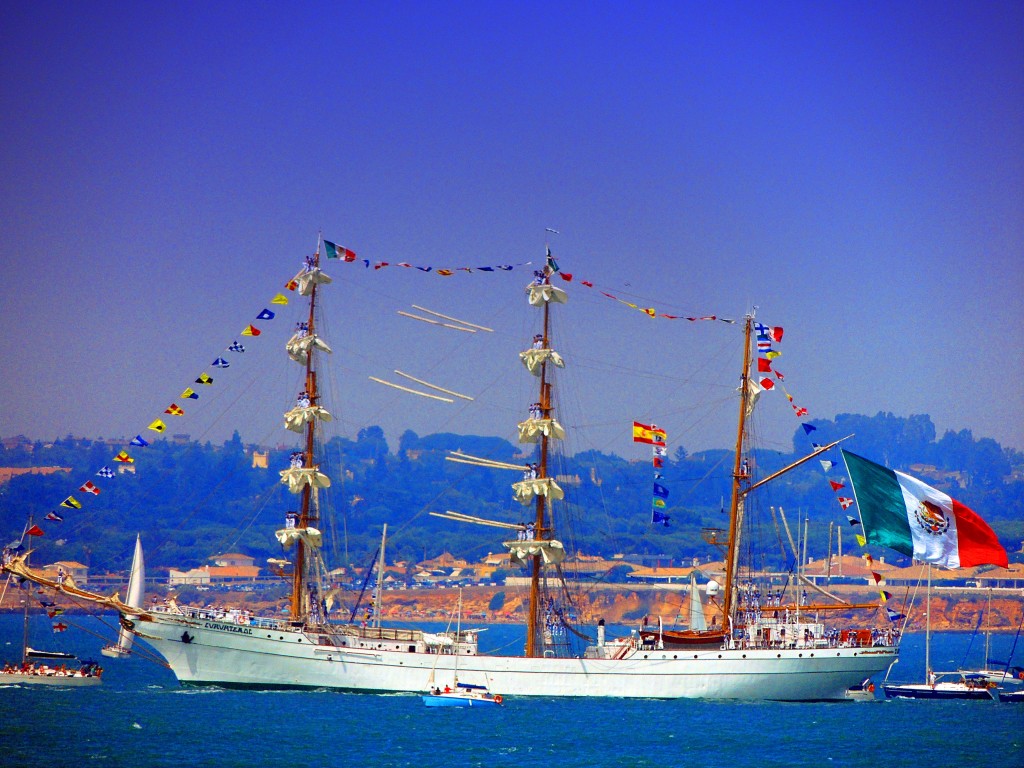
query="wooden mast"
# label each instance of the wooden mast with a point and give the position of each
(308, 514)
(739, 478)
(541, 531)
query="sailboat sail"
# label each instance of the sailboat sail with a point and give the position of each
(135, 598)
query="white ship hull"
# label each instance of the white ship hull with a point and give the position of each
(231, 655)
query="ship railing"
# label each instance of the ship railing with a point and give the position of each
(381, 633)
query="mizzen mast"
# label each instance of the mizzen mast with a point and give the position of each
(740, 479)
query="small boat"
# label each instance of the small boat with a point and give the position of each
(996, 672)
(864, 691)
(965, 687)
(28, 672)
(32, 653)
(463, 695)
(1012, 697)
(698, 635)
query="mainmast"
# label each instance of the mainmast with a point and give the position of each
(303, 476)
(536, 545)
(543, 531)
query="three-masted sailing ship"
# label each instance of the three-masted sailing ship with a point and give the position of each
(756, 653)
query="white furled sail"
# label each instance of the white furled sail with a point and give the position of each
(297, 418)
(298, 347)
(697, 620)
(534, 359)
(306, 280)
(288, 536)
(526, 490)
(551, 551)
(296, 478)
(531, 430)
(539, 294)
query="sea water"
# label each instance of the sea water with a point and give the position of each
(140, 717)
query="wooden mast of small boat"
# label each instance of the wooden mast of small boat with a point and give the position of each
(540, 529)
(308, 514)
(24, 599)
(739, 477)
(379, 596)
(928, 627)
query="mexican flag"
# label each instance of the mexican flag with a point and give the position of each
(900, 512)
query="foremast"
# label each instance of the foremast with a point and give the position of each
(303, 477)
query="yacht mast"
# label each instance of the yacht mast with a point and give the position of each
(380, 578)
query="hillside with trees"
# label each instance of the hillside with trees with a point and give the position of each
(190, 501)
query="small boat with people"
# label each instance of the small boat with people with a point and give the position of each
(463, 695)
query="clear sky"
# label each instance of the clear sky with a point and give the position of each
(856, 170)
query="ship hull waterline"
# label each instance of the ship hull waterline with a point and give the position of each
(229, 656)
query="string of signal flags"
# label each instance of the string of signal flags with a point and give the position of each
(347, 255)
(78, 499)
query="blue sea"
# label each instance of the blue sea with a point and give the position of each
(140, 716)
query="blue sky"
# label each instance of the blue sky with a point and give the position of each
(854, 170)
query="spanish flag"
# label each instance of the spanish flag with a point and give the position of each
(645, 433)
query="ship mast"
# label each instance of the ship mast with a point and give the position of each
(308, 513)
(304, 477)
(542, 531)
(740, 478)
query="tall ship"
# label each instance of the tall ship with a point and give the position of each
(756, 651)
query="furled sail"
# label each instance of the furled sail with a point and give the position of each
(297, 418)
(305, 281)
(298, 347)
(551, 551)
(697, 620)
(546, 293)
(530, 431)
(297, 478)
(533, 359)
(288, 536)
(526, 490)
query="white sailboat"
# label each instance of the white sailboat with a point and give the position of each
(939, 685)
(775, 654)
(458, 694)
(135, 597)
(998, 673)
